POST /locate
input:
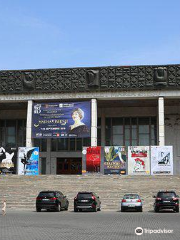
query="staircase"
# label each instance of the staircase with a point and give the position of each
(21, 191)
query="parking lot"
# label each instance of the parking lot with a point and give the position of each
(30, 225)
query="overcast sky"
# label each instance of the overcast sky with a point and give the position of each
(65, 33)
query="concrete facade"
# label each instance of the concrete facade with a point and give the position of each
(106, 103)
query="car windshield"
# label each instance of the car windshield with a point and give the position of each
(166, 194)
(131, 196)
(46, 194)
(84, 195)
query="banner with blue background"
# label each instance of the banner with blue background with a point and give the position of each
(28, 161)
(61, 120)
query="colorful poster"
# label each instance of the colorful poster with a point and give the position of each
(161, 160)
(93, 159)
(138, 160)
(28, 161)
(115, 160)
(61, 120)
(7, 161)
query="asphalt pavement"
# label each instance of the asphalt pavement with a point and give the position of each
(67, 225)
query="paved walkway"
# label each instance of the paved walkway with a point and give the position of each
(29, 225)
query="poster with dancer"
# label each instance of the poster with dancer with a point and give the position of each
(115, 160)
(138, 160)
(7, 159)
(161, 160)
(28, 161)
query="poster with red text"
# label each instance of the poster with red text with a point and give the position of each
(93, 159)
(138, 160)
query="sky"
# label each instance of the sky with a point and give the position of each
(38, 34)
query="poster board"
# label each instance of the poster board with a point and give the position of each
(138, 160)
(7, 160)
(161, 160)
(28, 161)
(115, 160)
(91, 157)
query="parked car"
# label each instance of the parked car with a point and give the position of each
(51, 200)
(87, 201)
(166, 200)
(131, 201)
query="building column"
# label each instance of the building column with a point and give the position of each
(29, 140)
(93, 122)
(161, 121)
(48, 157)
(103, 129)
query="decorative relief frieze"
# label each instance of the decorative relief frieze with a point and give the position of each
(172, 121)
(87, 79)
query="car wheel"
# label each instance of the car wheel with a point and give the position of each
(67, 205)
(38, 209)
(177, 209)
(95, 209)
(75, 210)
(140, 209)
(156, 209)
(58, 207)
(122, 209)
(99, 209)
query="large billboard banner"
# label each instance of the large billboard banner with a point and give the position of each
(28, 161)
(61, 120)
(138, 160)
(115, 160)
(161, 160)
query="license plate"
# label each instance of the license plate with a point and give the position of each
(131, 205)
(166, 201)
(84, 201)
(45, 199)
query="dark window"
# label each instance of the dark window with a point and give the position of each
(166, 195)
(131, 131)
(41, 143)
(84, 195)
(47, 194)
(12, 133)
(69, 144)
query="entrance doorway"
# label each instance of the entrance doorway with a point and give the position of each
(69, 165)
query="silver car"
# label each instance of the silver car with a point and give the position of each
(131, 201)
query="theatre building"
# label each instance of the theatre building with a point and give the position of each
(128, 106)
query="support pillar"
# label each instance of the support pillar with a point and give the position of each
(103, 129)
(161, 121)
(29, 140)
(93, 122)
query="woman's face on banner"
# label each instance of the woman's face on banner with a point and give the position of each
(75, 116)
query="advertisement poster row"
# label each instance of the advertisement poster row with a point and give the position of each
(27, 161)
(140, 160)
